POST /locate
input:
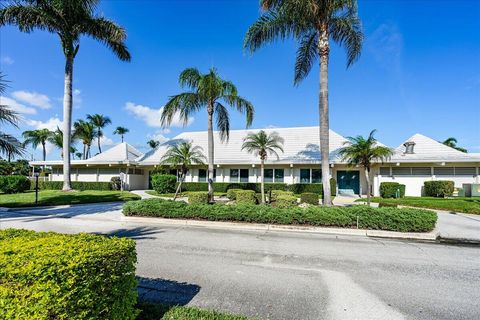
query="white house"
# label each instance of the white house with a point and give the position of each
(418, 159)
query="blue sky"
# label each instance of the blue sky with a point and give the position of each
(419, 71)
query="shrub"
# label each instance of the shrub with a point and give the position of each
(438, 188)
(232, 193)
(310, 198)
(164, 183)
(199, 197)
(394, 219)
(246, 197)
(14, 184)
(299, 188)
(387, 204)
(58, 276)
(286, 201)
(116, 183)
(392, 190)
(275, 193)
(76, 185)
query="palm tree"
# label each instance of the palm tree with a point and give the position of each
(86, 132)
(121, 131)
(262, 145)
(99, 121)
(359, 151)
(183, 155)
(36, 137)
(78, 155)
(9, 145)
(452, 143)
(56, 139)
(213, 93)
(153, 143)
(69, 20)
(312, 23)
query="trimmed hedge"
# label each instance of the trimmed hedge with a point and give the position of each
(116, 183)
(76, 185)
(310, 198)
(164, 183)
(275, 193)
(14, 184)
(286, 201)
(404, 219)
(58, 276)
(246, 197)
(438, 188)
(232, 193)
(389, 189)
(199, 197)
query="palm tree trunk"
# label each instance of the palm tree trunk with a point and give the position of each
(67, 123)
(324, 49)
(210, 152)
(182, 176)
(367, 176)
(44, 154)
(84, 151)
(122, 138)
(99, 148)
(262, 180)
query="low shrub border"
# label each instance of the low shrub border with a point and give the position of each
(246, 197)
(438, 188)
(310, 198)
(164, 183)
(286, 201)
(199, 197)
(14, 184)
(392, 219)
(59, 276)
(76, 185)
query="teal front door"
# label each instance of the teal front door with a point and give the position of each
(348, 181)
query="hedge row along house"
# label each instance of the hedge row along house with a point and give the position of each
(415, 161)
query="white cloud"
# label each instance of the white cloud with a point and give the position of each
(33, 98)
(15, 106)
(158, 136)
(386, 45)
(51, 124)
(77, 98)
(106, 141)
(6, 60)
(151, 116)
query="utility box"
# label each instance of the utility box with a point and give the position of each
(475, 190)
(467, 189)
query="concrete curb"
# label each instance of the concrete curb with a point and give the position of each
(64, 206)
(427, 236)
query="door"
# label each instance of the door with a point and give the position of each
(348, 181)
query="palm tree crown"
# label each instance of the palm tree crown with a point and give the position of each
(9, 145)
(121, 131)
(86, 132)
(153, 143)
(452, 143)
(99, 121)
(262, 144)
(37, 137)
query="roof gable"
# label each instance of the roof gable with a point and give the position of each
(120, 152)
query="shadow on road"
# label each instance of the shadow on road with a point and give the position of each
(166, 291)
(138, 233)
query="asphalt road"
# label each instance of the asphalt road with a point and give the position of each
(284, 275)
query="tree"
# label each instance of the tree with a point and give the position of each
(263, 145)
(452, 143)
(359, 151)
(9, 145)
(56, 139)
(84, 131)
(37, 137)
(121, 131)
(313, 23)
(99, 121)
(153, 144)
(69, 20)
(78, 155)
(182, 155)
(213, 93)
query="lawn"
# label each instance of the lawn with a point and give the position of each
(57, 197)
(465, 205)
(164, 312)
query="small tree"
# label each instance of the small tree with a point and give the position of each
(86, 132)
(153, 143)
(183, 155)
(262, 145)
(121, 131)
(359, 151)
(36, 137)
(99, 121)
(452, 143)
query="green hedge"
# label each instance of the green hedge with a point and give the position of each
(404, 219)
(198, 197)
(310, 198)
(232, 193)
(164, 183)
(390, 190)
(14, 184)
(286, 201)
(438, 188)
(246, 197)
(76, 185)
(58, 276)
(275, 193)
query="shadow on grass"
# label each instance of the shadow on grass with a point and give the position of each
(167, 292)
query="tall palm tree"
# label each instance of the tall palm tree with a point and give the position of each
(121, 131)
(360, 151)
(99, 121)
(213, 93)
(85, 131)
(37, 137)
(262, 145)
(56, 139)
(153, 143)
(452, 143)
(313, 23)
(9, 145)
(182, 155)
(69, 20)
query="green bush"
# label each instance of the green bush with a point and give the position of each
(116, 183)
(164, 183)
(394, 219)
(275, 193)
(59, 276)
(390, 190)
(246, 197)
(286, 201)
(199, 197)
(438, 188)
(232, 193)
(14, 184)
(387, 204)
(310, 198)
(76, 185)
(299, 188)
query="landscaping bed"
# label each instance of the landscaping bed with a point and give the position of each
(464, 205)
(391, 219)
(57, 197)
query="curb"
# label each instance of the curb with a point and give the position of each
(63, 206)
(427, 236)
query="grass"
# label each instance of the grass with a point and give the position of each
(164, 312)
(464, 205)
(57, 197)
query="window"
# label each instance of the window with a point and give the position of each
(279, 175)
(243, 175)
(397, 171)
(238, 175)
(268, 175)
(316, 176)
(421, 171)
(443, 171)
(304, 175)
(273, 175)
(234, 175)
(202, 175)
(385, 171)
(465, 171)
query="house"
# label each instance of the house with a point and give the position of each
(416, 160)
